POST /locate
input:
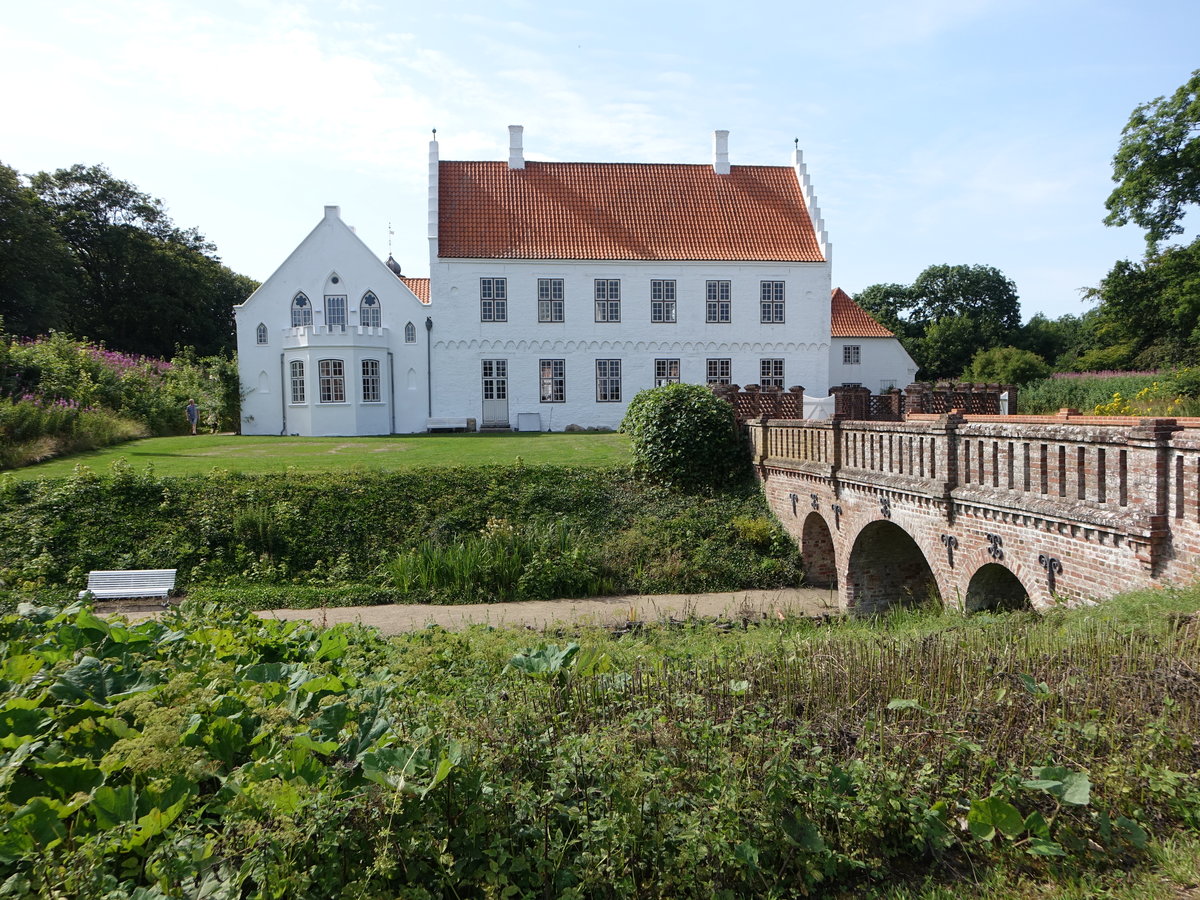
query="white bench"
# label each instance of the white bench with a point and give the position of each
(450, 424)
(124, 583)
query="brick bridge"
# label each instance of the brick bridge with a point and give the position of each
(990, 511)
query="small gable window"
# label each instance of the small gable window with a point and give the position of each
(301, 311)
(261, 333)
(410, 333)
(369, 312)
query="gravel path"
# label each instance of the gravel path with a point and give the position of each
(599, 611)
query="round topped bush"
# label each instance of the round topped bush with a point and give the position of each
(686, 437)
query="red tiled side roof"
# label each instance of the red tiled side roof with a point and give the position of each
(419, 286)
(622, 211)
(848, 319)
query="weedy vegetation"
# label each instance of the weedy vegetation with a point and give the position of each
(918, 754)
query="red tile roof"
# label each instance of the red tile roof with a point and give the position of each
(622, 211)
(848, 319)
(419, 286)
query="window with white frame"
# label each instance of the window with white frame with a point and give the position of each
(495, 379)
(335, 311)
(887, 384)
(553, 380)
(716, 304)
(410, 333)
(666, 371)
(771, 302)
(770, 373)
(297, 372)
(369, 312)
(851, 355)
(550, 299)
(493, 299)
(301, 311)
(662, 300)
(370, 381)
(261, 333)
(718, 371)
(331, 375)
(608, 300)
(608, 381)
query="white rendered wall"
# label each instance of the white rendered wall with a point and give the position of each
(264, 368)
(461, 340)
(883, 361)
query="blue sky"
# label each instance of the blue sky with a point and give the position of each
(935, 131)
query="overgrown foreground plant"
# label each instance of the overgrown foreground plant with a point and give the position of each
(218, 756)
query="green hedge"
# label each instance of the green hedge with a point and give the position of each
(337, 529)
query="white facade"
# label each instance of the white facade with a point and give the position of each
(316, 358)
(645, 351)
(876, 363)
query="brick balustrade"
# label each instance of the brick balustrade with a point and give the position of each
(984, 508)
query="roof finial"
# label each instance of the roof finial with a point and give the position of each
(435, 134)
(797, 143)
(390, 233)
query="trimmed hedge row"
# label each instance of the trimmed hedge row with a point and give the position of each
(343, 529)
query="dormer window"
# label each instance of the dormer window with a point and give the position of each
(261, 333)
(410, 333)
(301, 311)
(369, 313)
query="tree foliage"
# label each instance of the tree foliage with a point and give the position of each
(85, 252)
(1006, 365)
(685, 437)
(1157, 165)
(948, 314)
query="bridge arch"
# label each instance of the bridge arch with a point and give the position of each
(995, 587)
(817, 552)
(886, 566)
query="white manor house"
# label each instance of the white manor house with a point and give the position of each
(557, 291)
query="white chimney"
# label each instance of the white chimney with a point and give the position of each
(516, 154)
(721, 152)
(332, 212)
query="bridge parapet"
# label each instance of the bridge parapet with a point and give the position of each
(1117, 499)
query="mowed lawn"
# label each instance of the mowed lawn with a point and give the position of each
(202, 453)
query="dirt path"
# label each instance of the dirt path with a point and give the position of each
(597, 611)
(399, 618)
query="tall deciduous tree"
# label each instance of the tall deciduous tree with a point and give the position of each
(1157, 166)
(948, 314)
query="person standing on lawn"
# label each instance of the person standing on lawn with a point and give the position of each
(193, 414)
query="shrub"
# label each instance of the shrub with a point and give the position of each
(1006, 365)
(685, 437)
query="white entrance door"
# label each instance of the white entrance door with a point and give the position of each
(495, 393)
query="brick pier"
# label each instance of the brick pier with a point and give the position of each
(989, 511)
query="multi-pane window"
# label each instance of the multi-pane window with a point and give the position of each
(718, 371)
(261, 333)
(771, 302)
(770, 373)
(332, 378)
(550, 299)
(553, 380)
(369, 313)
(608, 381)
(301, 311)
(297, 369)
(495, 379)
(335, 311)
(608, 300)
(666, 371)
(410, 333)
(662, 300)
(716, 307)
(493, 299)
(851, 355)
(370, 381)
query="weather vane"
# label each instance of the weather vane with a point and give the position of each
(390, 233)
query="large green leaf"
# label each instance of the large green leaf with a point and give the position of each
(992, 814)
(36, 826)
(113, 806)
(70, 777)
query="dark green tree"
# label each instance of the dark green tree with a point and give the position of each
(1157, 165)
(1006, 365)
(1053, 339)
(947, 315)
(146, 285)
(39, 280)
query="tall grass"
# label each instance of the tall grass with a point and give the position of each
(1084, 393)
(500, 563)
